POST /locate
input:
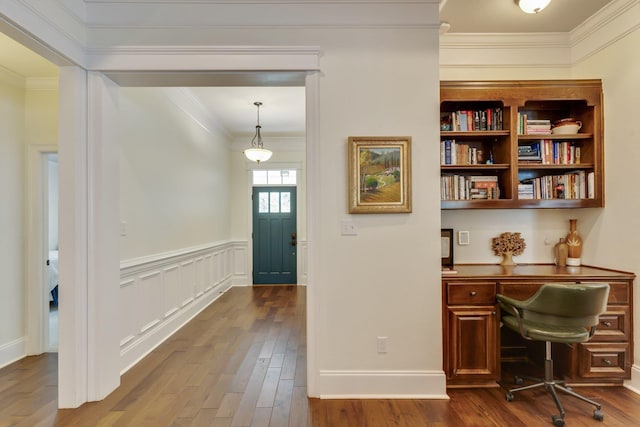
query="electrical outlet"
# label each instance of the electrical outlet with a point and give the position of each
(123, 228)
(382, 344)
(463, 238)
(348, 228)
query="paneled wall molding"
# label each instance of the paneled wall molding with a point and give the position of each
(145, 263)
(160, 293)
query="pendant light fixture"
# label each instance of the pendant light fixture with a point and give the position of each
(257, 153)
(533, 6)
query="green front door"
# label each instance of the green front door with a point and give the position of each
(274, 235)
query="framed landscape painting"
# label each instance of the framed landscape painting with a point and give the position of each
(379, 174)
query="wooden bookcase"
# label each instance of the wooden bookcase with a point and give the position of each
(538, 99)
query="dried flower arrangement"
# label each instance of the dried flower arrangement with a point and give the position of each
(507, 245)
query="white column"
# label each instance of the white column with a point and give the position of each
(103, 238)
(89, 349)
(72, 347)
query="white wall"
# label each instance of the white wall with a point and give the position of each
(175, 177)
(12, 225)
(612, 233)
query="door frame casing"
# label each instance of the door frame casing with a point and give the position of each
(36, 242)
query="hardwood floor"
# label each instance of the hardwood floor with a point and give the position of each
(242, 362)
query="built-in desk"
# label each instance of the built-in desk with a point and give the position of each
(471, 322)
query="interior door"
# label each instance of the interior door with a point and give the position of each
(274, 235)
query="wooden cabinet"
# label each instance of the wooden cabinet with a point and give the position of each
(472, 344)
(472, 333)
(488, 149)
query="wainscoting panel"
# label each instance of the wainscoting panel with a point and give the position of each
(160, 293)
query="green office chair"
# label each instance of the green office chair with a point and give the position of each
(562, 313)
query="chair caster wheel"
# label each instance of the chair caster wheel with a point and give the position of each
(518, 380)
(557, 421)
(598, 415)
(568, 387)
(509, 396)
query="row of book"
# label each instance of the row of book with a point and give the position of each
(461, 187)
(549, 152)
(455, 153)
(528, 126)
(472, 120)
(574, 185)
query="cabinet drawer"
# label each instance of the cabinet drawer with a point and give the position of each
(604, 360)
(471, 293)
(614, 325)
(618, 291)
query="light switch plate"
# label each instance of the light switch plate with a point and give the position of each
(463, 238)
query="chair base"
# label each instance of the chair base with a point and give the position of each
(553, 386)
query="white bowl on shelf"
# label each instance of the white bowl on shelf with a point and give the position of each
(566, 127)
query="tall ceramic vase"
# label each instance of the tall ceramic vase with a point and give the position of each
(574, 241)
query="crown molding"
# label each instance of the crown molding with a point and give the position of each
(553, 50)
(11, 78)
(184, 100)
(42, 83)
(504, 50)
(610, 24)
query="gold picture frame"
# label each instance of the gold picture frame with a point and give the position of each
(379, 174)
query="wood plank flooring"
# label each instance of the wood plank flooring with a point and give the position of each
(242, 362)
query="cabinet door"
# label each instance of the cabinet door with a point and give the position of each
(473, 344)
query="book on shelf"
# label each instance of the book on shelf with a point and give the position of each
(485, 119)
(575, 185)
(461, 187)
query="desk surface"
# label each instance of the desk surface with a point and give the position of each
(537, 271)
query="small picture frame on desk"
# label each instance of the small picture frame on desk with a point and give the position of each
(446, 249)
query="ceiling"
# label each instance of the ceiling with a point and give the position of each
(283, 111)
(504, 16)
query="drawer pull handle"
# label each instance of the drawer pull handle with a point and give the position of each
(473, 293)
(493, 313)
(607, 324)
(607, 362)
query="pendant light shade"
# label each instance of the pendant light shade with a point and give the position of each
(257, 153)
(532, 6)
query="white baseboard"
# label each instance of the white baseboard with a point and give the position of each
(382, 385)
(12, 351)
(634, 383)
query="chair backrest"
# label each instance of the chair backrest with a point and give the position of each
(567, 304)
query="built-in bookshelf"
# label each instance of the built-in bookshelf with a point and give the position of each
(499, 149)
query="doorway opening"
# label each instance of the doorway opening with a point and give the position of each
(51, 238)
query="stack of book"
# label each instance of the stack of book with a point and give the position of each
(529, 153)
(527, 126)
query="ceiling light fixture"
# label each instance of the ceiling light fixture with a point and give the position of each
(257, 153)
(532, 6)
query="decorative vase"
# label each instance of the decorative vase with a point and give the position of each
(507, 258)
(574, 242)
(562, 253)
